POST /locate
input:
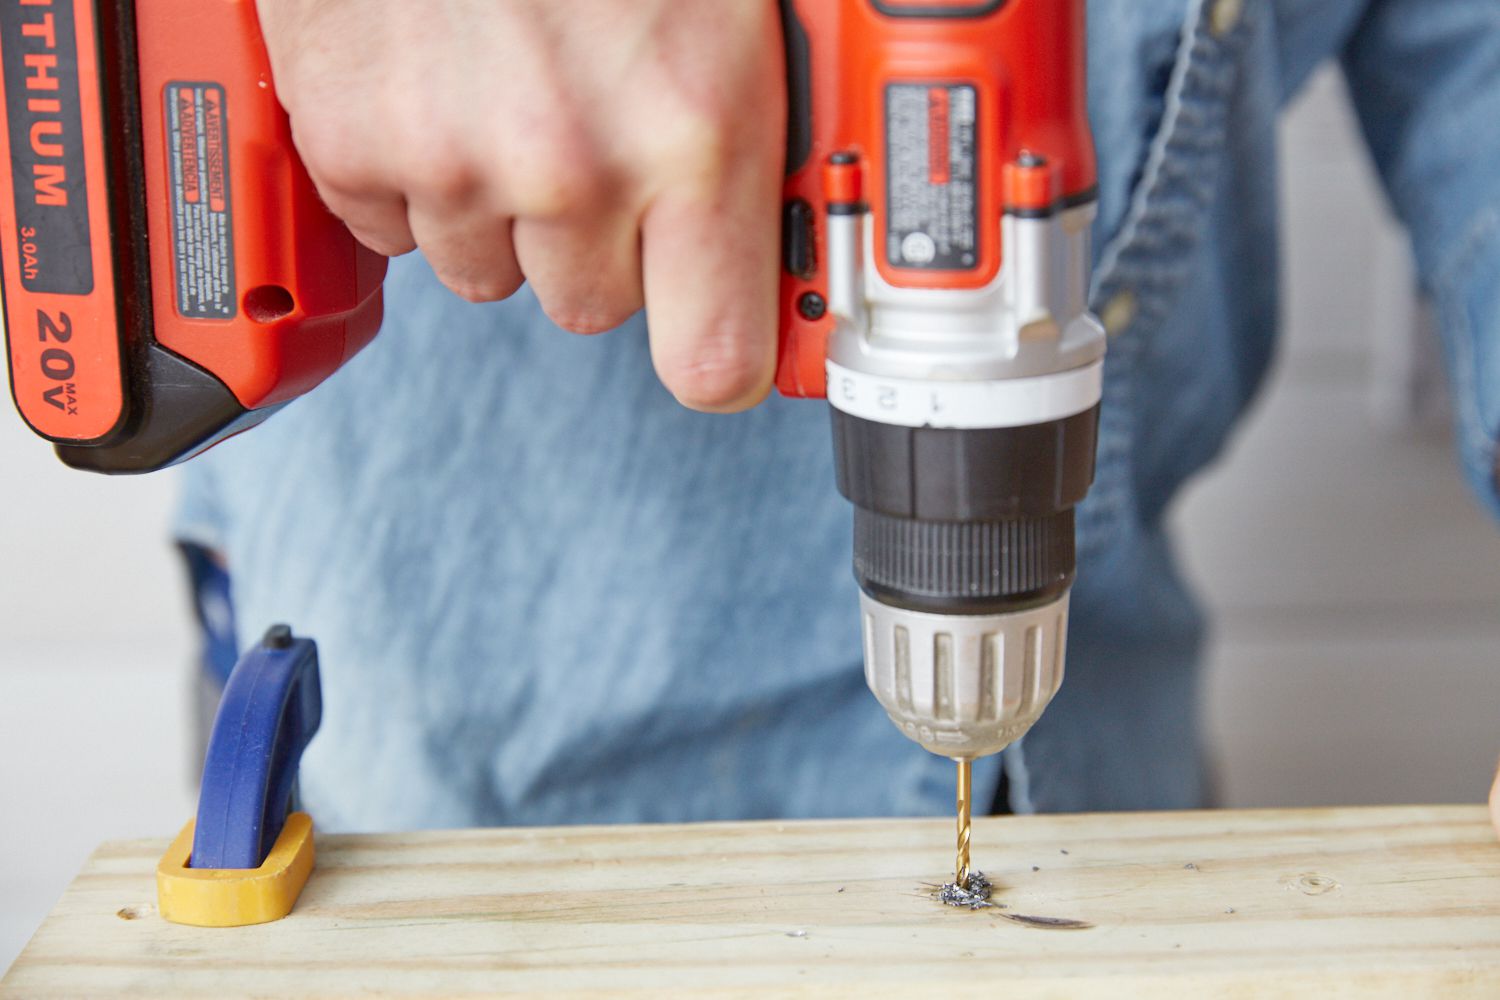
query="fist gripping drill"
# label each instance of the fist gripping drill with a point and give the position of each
(171, 278)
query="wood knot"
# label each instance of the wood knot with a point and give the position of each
(1313, 884)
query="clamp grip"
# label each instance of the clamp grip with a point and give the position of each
(270, 711)
(250, 855)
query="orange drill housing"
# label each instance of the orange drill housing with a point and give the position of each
(1022, 65)
(170, 273)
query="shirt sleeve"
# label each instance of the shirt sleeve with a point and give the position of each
(1425, 78)
(199, 517)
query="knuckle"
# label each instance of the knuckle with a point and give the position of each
(338, 161)
(537, 192)
(723, 372)
(587, 319)
(436, 170)
(481, 288)
(551, 168)
(700, 144)
(553, 182)
(383, 243)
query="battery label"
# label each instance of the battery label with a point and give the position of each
(39, 42)
(932, 153)
(202, 216)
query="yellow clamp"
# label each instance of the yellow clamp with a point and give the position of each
(235, 897)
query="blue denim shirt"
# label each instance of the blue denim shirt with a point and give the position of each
(545, 593)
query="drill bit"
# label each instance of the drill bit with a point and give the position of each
(965, 780)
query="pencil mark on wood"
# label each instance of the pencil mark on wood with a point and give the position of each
(1048, 923)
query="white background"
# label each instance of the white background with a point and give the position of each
(1357, 644)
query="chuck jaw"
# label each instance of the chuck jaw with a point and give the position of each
(964, 686)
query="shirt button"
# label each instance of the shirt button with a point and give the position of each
(1119, 312)
(1224, 16)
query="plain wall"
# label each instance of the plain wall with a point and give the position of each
(94, 649)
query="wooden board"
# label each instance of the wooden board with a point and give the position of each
(1374, 902)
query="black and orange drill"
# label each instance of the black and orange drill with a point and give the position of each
(171, 277)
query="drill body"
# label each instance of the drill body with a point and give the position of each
(171, 278)
(948, 182)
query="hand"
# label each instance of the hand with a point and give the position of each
(612, 153)
(1495, 803)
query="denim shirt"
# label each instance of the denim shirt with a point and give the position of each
(546, 593)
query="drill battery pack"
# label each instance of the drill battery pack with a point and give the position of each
(170, 274)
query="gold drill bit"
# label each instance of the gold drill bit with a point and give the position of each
(965, 779)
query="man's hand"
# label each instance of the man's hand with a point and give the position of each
(1495, 803)
(613, 153)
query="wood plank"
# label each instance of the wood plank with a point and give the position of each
(1380, 902)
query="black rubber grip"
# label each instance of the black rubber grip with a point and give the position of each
(799, 139)
(941, 474)
(976, 567)
(957, 9)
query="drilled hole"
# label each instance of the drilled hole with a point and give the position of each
(268, 303)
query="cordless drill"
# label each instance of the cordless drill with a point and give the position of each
(940, 201)
(171, 278)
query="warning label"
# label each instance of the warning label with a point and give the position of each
(202, 216)
(932, 221)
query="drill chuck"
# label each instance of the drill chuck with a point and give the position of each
(964, 553)
(964, 686)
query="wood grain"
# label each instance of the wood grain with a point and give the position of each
(1373, 902)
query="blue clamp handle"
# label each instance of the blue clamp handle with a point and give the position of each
(269, 712)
